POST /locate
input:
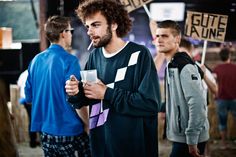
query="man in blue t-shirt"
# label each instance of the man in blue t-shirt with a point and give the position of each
(62, 130)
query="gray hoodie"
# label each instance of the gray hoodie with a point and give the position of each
(186, 106)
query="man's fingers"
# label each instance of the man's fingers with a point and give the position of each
(99, 81)
(71, 91)
(73, 78)
(72, 86)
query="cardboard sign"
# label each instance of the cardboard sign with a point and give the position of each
(206, 26)
(131, 5)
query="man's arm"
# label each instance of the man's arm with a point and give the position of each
(142, 98)
(75, 92)
(191, 85)
(83, 113)
(160, 57)
(210, 80)
(153, 28)
(196, 102)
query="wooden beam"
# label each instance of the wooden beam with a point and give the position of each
(43, 17)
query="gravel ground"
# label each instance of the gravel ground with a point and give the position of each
(164, 150)
(26, 151)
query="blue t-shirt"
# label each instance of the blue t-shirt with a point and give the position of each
(45, 89)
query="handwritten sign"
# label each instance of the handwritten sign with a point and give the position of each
(206, 26)
(131, 5)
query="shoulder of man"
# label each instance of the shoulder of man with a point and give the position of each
(136, 46)
(179, 60)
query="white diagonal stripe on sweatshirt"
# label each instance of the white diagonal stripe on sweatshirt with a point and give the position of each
(134, 58)
(111, 85)
(120, 74)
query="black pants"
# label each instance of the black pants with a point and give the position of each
(181, 149)
(32, 135)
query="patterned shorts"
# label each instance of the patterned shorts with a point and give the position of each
(65, 146)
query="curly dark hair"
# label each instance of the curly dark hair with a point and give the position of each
(54, 26)
(112, 10)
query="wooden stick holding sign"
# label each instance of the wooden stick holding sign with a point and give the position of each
(147, 11)
(131, 5)
(204, 52)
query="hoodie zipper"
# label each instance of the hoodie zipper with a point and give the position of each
(179, 120)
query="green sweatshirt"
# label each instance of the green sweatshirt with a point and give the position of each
(126, 126)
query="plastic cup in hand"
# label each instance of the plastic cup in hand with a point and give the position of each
(89, 75)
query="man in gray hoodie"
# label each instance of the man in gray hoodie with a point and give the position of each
(186, 106)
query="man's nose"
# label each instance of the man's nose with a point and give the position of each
(158, 39)
(89, 31)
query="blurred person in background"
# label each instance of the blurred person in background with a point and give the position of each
(21, 83)
(208, 78)
(226, 97)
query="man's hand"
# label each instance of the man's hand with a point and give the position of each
(153, 28)
(95, 90)
(193, 150)
(72, 86)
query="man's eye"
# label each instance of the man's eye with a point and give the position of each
(96, 25)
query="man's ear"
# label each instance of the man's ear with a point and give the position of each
(178, 39)
(62, 34)
(114, 26)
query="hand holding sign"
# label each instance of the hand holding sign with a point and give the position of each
(131, 5)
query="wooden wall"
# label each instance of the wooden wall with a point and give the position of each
(21, 120)
(8, 147)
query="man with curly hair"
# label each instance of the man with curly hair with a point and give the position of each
(125, 100)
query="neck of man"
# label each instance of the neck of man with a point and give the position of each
(61, 43)
(114, 45)
(171, 53)
(228, 60)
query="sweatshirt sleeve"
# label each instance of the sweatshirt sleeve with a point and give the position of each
(79, 100)
(192, 89)
(145, 99)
